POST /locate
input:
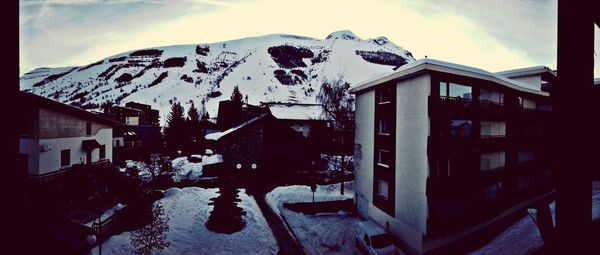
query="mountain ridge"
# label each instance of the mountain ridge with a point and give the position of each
(276, 67)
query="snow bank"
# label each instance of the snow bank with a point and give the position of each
(523, 237)
(212, 159)
(188, 211)
(300, 193)
(321, 233)
(186, 170)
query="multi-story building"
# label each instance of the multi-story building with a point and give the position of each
(445, 150)
(133, 114)
(55, 136)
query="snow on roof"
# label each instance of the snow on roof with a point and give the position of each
(525, 71)
(441, 66)
(298, 111)
(218, 135)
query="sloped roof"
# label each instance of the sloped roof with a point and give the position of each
(218, 135)
(39, 101)
(420, 65)
(298, 111)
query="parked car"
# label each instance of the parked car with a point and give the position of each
(373, 239)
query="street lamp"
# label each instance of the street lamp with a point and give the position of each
(93, 238)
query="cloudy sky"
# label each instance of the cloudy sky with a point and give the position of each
(489, 34)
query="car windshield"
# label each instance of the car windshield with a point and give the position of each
(380, 241)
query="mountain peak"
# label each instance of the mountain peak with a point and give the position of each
(344, 35)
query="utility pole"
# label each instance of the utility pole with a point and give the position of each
(572, 143)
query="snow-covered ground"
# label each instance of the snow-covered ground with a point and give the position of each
(188, 210)
(523, 237)
(323, 233)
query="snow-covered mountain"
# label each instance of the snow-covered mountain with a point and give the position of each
(279, 67)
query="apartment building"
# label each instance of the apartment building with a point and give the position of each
(444, 150)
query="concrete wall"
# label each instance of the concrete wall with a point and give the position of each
(535, 80)
(53, 124)
(363, 158)
(49, 161)
(412, 168)
(412, 129)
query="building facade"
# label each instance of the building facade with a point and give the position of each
(55, 136)
(444, 150)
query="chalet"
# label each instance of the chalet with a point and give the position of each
(445, 150)
(307, 119)
(54, 137)
(265, 144)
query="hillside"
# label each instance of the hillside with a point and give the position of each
(277, 67)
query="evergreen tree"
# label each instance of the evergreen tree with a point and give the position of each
(236, 96)
(193, 127)
(175, 129)
(204, 112)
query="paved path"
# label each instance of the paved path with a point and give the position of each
(286, 242)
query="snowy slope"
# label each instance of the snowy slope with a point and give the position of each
(277, 67)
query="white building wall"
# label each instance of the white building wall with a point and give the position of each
(363, 159)
(535, 80)
(49, 161)
(412, 169)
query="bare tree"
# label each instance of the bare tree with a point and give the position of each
(339, 108)
(152, 237)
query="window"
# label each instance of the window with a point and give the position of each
(88, 128)
(492, 160)
(460, 128)
(490, 95)
(384, 158)
(118, 143)
(455, 90)
(384, 96)
(382, 189)
(384, 127)
(527, 103)
(65, 157)
(102, 151)
(493, 128)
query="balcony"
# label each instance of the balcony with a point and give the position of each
(469, 107)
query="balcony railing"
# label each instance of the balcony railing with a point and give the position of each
(450, 103)
(59, 174)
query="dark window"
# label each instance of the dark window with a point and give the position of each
(460, 128)
(384, 126)
(384, 158)
(455, 90)
(88, 128)
(118, 143)
(384, 96)
(102, 151)
(65, 157)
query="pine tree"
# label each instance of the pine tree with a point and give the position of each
(175, 129)
(193, 126)
(236, 96)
